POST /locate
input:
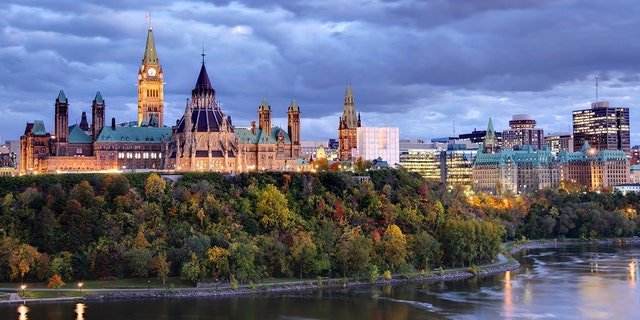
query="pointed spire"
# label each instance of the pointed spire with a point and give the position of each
(264, 105)
(98, 99)
(349, 113)
(490, 128)
(294, 106)
(150, 56)
(61, 97)
(84, 124)
(203, 78)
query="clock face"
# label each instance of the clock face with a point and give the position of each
(151, 72)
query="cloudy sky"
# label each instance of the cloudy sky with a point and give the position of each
(428, 67)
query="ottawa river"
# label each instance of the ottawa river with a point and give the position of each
(581, 282)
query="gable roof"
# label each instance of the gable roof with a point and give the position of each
(77, 135)
(134, 134)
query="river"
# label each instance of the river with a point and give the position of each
(581, 282)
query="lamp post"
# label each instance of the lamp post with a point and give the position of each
(148, 285)
(23, 287)
(80, 287)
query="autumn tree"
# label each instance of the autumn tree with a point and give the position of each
(395, 247)
(22, 259)
(272, 209)
(161, 266)
(55, 283)
(154, 187)
(219, 259)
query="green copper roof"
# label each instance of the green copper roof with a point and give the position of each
(527, 155)
(62, 97)
(245, 135)
(38, 128)
(98, 98)
(264, 105)
(294, 106)
(134, 134)
(150, 56)
(585, 154)
(77, 135)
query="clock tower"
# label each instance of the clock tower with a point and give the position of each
(150, 91)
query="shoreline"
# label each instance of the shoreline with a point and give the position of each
(504, 262)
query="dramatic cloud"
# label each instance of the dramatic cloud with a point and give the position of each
(429, 67)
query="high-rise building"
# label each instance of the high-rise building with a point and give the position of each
(522, 132)
(348, 127)
(558, 141)
(603, 127)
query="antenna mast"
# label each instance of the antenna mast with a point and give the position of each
(454, 127)
(597, 89)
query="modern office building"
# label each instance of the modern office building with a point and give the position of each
(378, 143)
(558, 141)
(522, 132)
(447, 162)
(603, 127)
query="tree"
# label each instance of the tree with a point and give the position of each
(272, 209)
(22, 259)
(219, 258)
(61, 265)
(426, 249)
(395, 246)
(139, 262)
(55, 283)
(192, 270)
(154, 187)
(303, 250)
(161, 266)
(241, 260)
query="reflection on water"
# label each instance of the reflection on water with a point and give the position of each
(22, 311)
(508, 296)
(633, 272)
(80, 311)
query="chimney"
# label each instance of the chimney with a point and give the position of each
(253, 127)
(113, 124)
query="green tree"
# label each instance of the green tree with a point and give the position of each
(242, 257)
(303, 250)
(61, 265)
(426, 249)
(139, 262)
(192, 271)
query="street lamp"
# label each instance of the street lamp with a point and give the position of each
(148, 285)
(80, 287)
(23, 287)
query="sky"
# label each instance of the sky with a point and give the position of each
(433, 68)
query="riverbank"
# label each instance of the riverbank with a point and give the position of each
(504, 262)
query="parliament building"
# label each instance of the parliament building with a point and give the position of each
(204, 139)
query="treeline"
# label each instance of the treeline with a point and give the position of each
(207, 226)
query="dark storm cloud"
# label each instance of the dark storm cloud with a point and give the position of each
(417, 65)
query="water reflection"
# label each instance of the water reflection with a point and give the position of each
(22, 311)
(633, 272)
(80, 311)
(508, 296)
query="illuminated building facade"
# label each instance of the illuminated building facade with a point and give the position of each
(603, 127)
(594, 169)
(378, 142)
(558, 141)
(444, 162)
(522, 132)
